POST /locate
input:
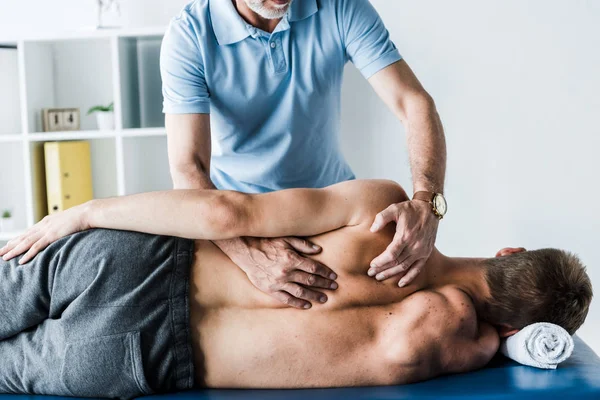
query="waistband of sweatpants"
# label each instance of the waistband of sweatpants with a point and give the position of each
(180, 314)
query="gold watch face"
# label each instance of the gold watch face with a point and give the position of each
(439, 202)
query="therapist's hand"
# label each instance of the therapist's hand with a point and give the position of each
(416, 229)
(278, 267)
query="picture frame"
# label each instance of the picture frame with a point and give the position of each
(61, 119)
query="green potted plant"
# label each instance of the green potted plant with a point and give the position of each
(105, 116)
(6, 222)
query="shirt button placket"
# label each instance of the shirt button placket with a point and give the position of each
(277, 56)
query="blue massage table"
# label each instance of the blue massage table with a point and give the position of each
(576, 378)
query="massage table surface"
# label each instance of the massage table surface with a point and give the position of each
(576, 378)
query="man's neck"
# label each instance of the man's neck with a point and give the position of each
(267, 25)
(465, 273)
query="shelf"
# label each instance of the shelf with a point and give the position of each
(85, 135)
(67, 74)
(81, 69)
(74, 135)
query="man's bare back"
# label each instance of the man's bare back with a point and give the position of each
(368, 333)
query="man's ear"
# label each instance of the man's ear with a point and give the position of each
(505, 331)
(509, 250)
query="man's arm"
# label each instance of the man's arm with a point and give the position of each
(224, 214)
(221, 214)
(416, 225)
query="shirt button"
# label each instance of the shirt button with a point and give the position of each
(273, 45)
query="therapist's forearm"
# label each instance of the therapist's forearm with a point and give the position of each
(190, 177)
(426, 145)
(402, 92)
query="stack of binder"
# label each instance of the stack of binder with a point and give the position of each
(68, 174)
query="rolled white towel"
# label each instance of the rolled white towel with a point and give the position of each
(541, 345)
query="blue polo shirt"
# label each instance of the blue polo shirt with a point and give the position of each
(274, 98)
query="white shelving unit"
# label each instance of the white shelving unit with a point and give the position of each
(81, 69)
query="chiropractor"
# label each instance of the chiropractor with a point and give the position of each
(252, 101)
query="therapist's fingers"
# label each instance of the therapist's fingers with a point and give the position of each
(314, 267)
(290, 300)
(311, 280)
(303, 246)
(303, 293)
(399, 261)
(385, 217)
(412, 273)
(384, 273)
(306, 264)
(392, 255)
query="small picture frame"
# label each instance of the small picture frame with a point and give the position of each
(60, 119)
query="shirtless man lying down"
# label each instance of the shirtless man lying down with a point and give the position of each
(119, 313)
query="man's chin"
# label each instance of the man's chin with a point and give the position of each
(270, 9)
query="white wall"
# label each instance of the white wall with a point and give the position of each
(517, 86)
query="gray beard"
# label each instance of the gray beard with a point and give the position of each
(258, 6)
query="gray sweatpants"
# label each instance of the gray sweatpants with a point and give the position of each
(101, 313)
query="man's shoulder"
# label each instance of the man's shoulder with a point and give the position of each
(380, 188)
(437, 325)
(443, 312)
(438, 318)
(370, 196)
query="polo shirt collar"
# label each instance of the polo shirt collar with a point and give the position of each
(301, 9)
(230, 27)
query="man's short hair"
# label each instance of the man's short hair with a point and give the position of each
(545, 285)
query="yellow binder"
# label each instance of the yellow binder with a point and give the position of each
(68, 174)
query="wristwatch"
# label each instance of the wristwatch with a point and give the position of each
(437, 201)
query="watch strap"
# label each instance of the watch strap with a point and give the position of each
(423, 195)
